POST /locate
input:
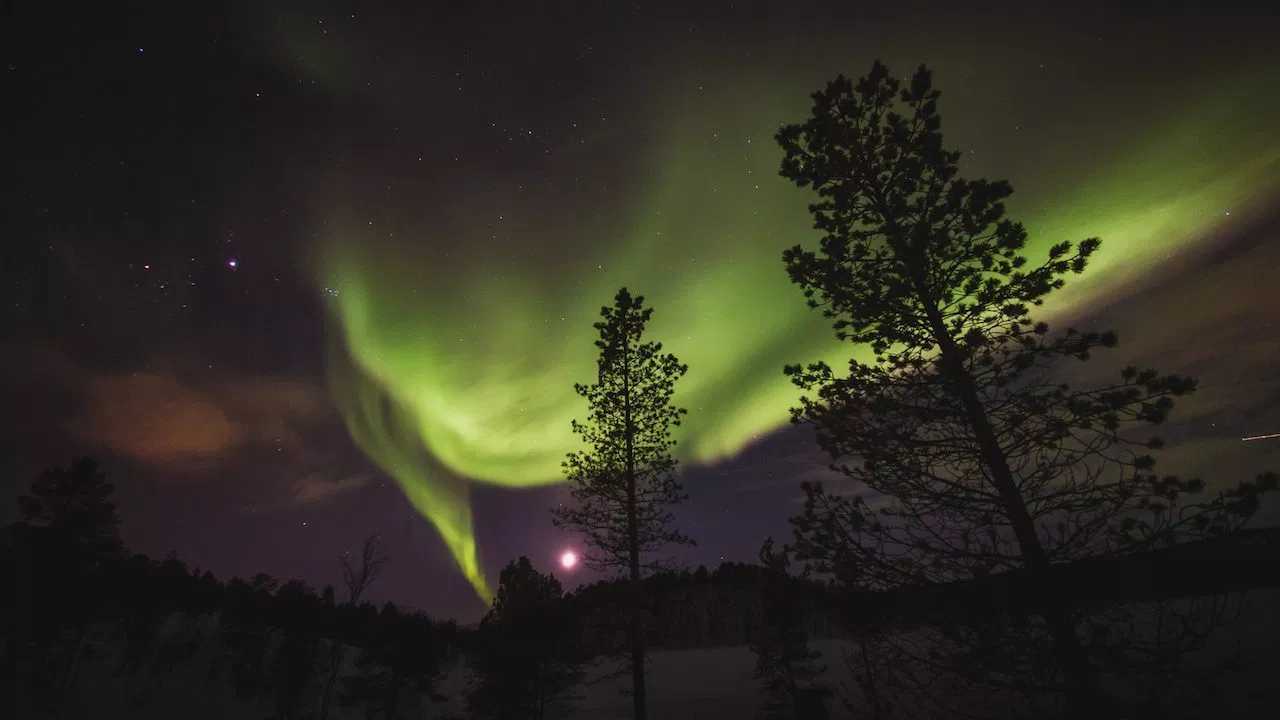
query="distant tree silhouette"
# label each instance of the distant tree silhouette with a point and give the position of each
(397, 665)
(987, 461)
(75, 597)
(73, 506)
(67, 535)
(528, 654)
(13, 609)
(295, 662)
(624, 484)
(688, 610)
(245, 632)
(356, 579)
(158, 616)
(789, 671)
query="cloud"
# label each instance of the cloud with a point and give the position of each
(316, 487)
(311, 488)
(274, 442)
(275, 410)
(164, 415)
(154, 418)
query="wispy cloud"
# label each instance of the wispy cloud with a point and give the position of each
(164, 415)
(317, 487)
(154, 418)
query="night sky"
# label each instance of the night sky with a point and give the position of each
(300, 272)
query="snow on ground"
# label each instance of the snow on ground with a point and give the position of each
(706, 683)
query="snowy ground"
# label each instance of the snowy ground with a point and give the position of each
(709, 683)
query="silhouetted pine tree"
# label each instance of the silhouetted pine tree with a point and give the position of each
(789, 671)
(375, 685)
(397, 665)
(245, 632)
(987, 460)
(73, 506)
(295, 663)
(66, 540)
(624, 484)
(529, 655)
(162, 625)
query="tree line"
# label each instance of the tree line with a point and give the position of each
(150, 622)
(969, 459)
(76, 598)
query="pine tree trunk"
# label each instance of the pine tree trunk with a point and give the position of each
(65, 671)
(797, 705)
(870, 680)
(1081, 699)
(639, 708)
(637, 630)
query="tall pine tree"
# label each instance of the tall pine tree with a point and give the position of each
(624, 483)
(987, 459)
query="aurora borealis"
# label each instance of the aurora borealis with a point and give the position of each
(488, 391)
(428, 208)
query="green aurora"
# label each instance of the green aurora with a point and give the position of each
(459, 367)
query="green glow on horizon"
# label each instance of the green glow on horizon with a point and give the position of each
(457, 369)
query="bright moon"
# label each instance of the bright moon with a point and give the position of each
(568, 559)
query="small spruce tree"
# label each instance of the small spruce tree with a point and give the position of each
(789, 672)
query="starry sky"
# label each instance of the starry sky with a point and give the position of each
(300, 272)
